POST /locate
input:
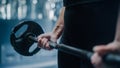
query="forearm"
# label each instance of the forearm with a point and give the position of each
(117, 35)
(57, 31)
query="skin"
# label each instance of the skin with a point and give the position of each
(99, 50)
(43, 40)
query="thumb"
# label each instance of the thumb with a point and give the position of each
(102, 49)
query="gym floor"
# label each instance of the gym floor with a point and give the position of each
(45, 13)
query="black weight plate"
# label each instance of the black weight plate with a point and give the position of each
(22, 44)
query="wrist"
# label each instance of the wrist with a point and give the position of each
(117, 42)
(114, 46)
(54, 36)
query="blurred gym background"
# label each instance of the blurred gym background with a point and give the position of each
(45, 13)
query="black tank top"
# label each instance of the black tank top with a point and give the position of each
(89, 23)
(77, 2)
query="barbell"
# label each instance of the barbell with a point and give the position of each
(24, 41)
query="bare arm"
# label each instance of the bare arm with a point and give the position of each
(43, 39)
(117, 35)
(57, 31)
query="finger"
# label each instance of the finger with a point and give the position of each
(43, 42)
(39, 42)
(96, 60)
(44, 35)
(102, 49)
(40, 36)
(99, 48)
(48, 46)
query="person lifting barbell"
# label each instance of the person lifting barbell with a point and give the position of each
(82, 25)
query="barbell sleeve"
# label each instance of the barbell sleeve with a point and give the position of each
(31, 38)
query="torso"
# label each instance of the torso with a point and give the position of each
(90, 24)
